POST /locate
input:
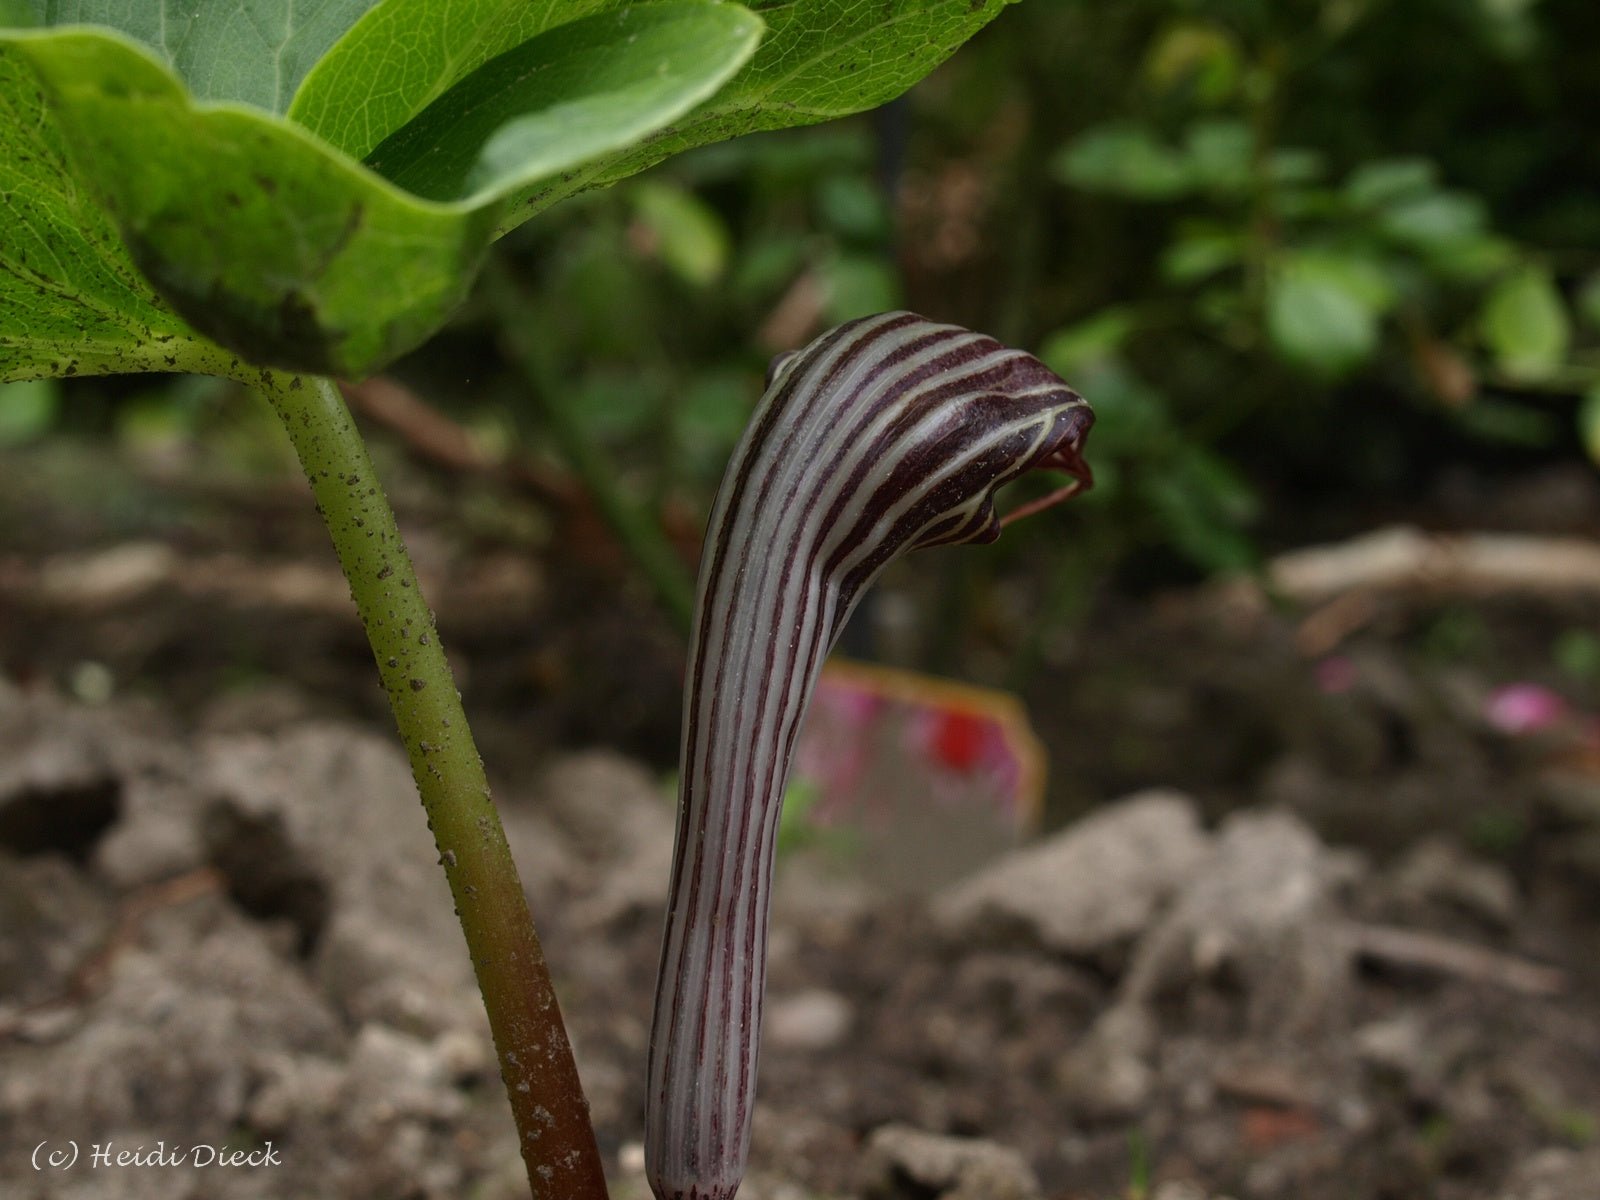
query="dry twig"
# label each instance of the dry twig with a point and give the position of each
(1416, 950)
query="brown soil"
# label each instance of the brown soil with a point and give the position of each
(1451, 1066)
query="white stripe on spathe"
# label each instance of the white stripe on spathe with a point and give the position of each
(883, 435)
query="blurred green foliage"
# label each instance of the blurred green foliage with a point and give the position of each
(1296, 254)
(1224, 222)
(1305, 246)
(27, 410)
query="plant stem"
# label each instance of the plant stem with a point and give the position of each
(639, 534)
(552, 1117)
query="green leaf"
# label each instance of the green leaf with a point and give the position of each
(255, 52)
(768, 264)
(259, 235)
(1124, 160)
(688, 235)
(785, 162)
(1219, 154)
(1201, 250)
(1095, 340)
(381, 74)
(1509, 423)
(565, 97)
(1297, 203)
(271, 242)
(1222, 490)
(1472, 259)
(855, 206)
(1130, 417)
(821, 59)
(1199, 55)
(858, 285)
(1377, 184)
(710, 414)
(1432, 221)
(1589, 299)
(73, 301)
(1323, 314)
(1589, 422)
(613, 406)
(1525, 325)
(27, 409)
(1576, 652)
(1201, 503)
(1358, 272)
(1294, 165)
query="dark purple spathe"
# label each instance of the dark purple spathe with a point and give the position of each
(882, 436)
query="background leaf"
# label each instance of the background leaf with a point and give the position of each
(1589, 299)
(688, 235)
(1525, 324)
(1125, 160)
(1201, 504)
(1201, 249)
(1589, 422)
(1323, 313)
(27, 409)
(1091, 341)
(857, 285)
(254, 52)
(1218, 155)
(1385, 181)
(1433, 220)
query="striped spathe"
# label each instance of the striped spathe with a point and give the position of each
(882, 436)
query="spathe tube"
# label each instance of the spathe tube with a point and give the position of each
(885, 435)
